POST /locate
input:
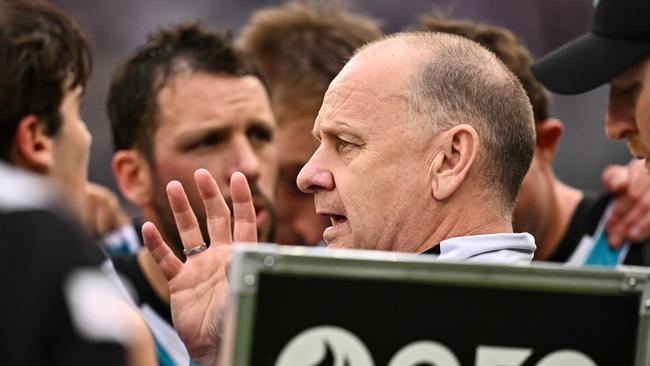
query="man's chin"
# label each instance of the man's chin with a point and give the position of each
(339, 243)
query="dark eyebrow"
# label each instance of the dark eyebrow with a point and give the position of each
(260, 123)
(200, 133)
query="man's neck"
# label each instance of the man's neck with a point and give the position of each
(564, 201)
(457, 223)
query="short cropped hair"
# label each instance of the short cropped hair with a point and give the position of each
(132, 100)
(504, 44)
(43, 55)
(458, 81)
(302, 45)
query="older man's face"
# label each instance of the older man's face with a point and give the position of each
(628, 113)
(369, 173)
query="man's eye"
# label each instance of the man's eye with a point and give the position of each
(211, 140)
(343, 146)
(630, 90)
(259, 134)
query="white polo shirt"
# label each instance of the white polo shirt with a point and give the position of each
(492, 248)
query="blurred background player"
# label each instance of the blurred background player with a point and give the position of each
(301, 47)
(43, 70)
(565, 221)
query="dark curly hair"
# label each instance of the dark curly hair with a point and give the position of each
(132, 99)
(43, 55)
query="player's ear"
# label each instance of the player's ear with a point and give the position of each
(449, 167)
(134, 176)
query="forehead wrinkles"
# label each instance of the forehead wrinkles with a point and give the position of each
(212, 96)
(352, 99)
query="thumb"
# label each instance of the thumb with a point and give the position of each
(616, 178)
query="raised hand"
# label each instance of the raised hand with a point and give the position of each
(630, 217)
(199, 287)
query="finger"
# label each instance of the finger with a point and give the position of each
(639, 179)
(188, 227)
(616, 236)
(216, 209)
(615, 227)
(615, 178)
(244, 211)
(630, 206)
(624, 228)
(641, 230)
(169, 264)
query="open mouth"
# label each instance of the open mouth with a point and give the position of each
(337, 219)
(339, 223)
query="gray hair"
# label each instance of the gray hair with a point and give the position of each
(458, 81)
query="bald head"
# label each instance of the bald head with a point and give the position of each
(448, 80)
(422, 137)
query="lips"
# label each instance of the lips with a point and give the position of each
(261, 211)
(339, 224)
(337, 219)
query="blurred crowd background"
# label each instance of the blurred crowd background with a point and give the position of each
(114, 28)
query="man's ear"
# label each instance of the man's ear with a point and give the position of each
(133, 176)
(32, 148)
(549, 132)
(459, 147)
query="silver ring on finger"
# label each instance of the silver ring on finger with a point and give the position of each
(195, 250)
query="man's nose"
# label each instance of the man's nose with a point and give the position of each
(619, 120)
(314, 176)
(245, 160)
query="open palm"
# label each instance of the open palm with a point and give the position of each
(199, 287)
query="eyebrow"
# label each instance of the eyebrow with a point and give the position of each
(341, 128)
(259, 122)
(627, 77)
(623, 79)
(194, 133)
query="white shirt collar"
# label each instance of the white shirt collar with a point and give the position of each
(498, 248)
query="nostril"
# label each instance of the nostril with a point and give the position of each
(312, 188)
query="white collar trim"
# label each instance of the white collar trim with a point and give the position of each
(464, 247)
